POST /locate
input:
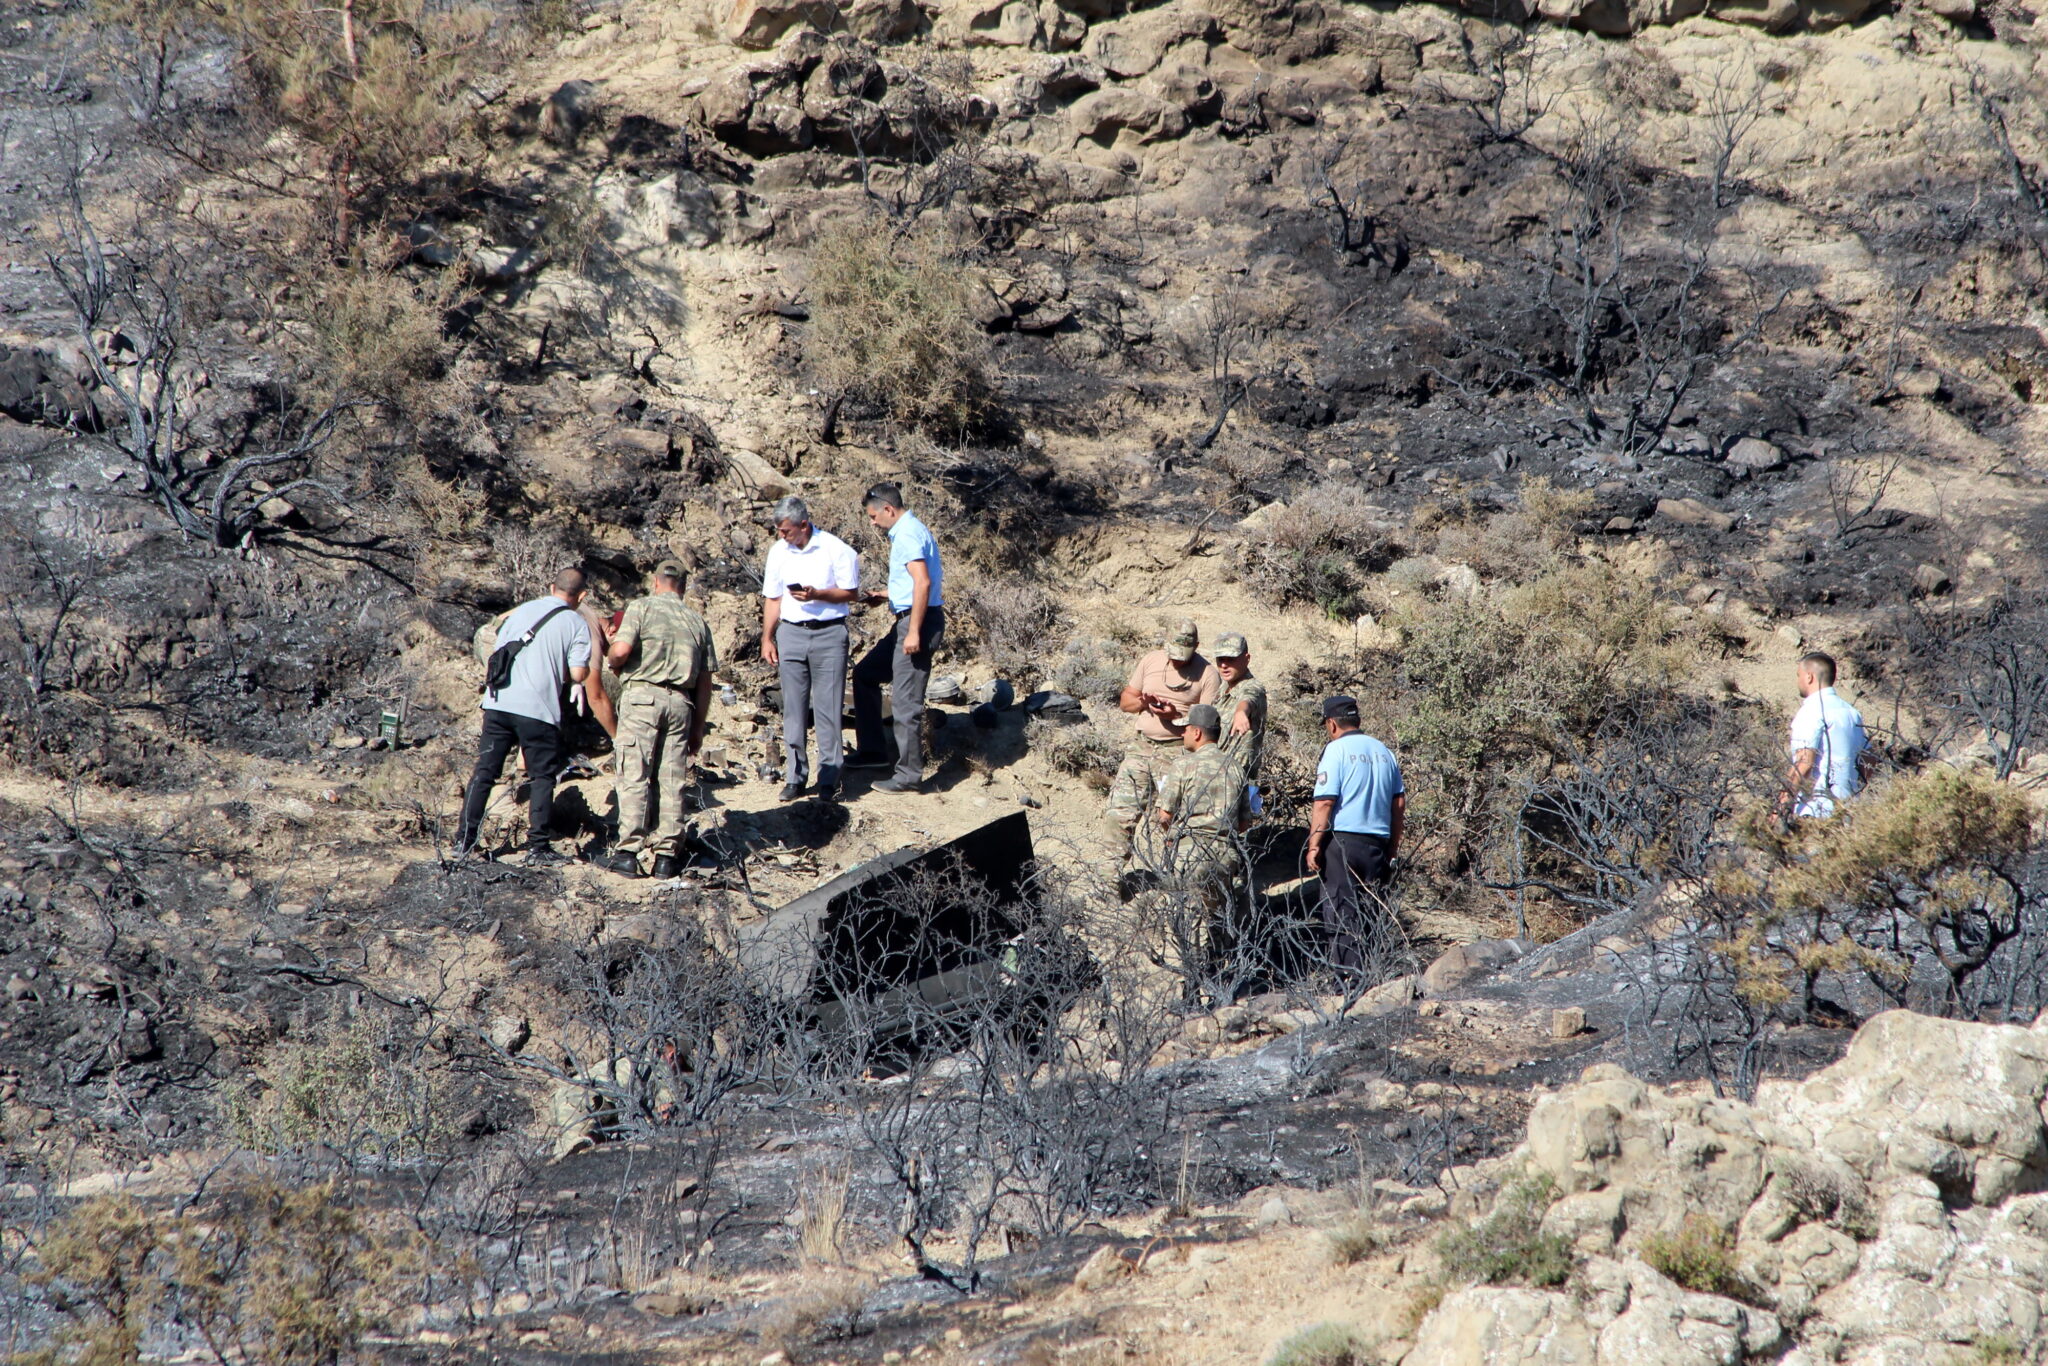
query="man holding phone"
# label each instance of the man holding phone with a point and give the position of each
(811, 579)
(1163, 687)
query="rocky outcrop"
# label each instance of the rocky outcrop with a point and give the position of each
(832, 91)
(36, 385)
(1891, 1208)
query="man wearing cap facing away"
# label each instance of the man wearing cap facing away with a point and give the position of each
(665, 658)
(1166, 683)
(1202, 809)
(1355, 829)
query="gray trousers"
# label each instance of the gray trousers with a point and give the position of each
(907, 676)
(813, 673)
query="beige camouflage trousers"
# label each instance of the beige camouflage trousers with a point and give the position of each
(1135, 789)
(654, 766)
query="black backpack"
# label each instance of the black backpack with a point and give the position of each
(498, 672)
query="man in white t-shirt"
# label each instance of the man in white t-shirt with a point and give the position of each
(1828, 744)
(811, 579)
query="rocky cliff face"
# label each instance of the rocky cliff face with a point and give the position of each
(1891, 1208)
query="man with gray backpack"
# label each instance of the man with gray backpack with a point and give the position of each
(543, 647)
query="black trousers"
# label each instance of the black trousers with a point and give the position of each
(1354, 897)
(545, 755)
(907, 676)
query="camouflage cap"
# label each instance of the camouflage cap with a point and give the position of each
(1204, 717)
(1182, 640)
(672, 568)
(1231, 645)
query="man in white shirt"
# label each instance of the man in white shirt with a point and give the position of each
(811, 579)
(1828, 744)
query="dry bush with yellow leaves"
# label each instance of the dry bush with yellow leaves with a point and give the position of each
(892, 324)
(374, 94)
(260, 1273)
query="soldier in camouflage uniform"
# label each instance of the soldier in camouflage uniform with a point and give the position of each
(1202, 809)
(665, 658)
(1241, 704)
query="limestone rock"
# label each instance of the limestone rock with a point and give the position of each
(1486, 1326)
(1692, 512)
(1956, 1103)
(1260, 520)
(762, 23)
(991, 23)
(1462, 963)
(1108, 115)
(1931, 581)
(756, 476)
(1754, 455)
(1136, 44)
(884, 21)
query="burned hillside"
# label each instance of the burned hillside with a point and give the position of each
(1549, 381)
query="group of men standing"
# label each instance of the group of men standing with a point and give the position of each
(1187, 788)
(547, 660)
(1183, 794)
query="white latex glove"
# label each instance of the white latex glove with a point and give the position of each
(576, 699)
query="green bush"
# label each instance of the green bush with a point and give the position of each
(1700, 1256)
(1509, 1246)
(1326, 1344)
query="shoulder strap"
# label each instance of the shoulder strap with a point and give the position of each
(545, 618)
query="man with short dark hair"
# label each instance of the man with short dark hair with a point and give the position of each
(1354, 830)
(810, 579)
(554, 650)
(1829, 744)
(665, 658)
(902, 657)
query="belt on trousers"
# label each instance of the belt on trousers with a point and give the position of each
(816, 625)
(655, 683)
(901, 613)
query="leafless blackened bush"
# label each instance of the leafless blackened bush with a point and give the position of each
(1990, 665)
(145, 295)
(1223, 334)
(1507, 59)
(1645, 802)
(667, 1031)
(1015, 618)
(1006, 1088)
(44, 587)
(1356, 233)
(1623, 323)
(1856, 490)
(1733, 102)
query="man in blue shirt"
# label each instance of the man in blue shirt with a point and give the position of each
(1354, 831)
(903, 657)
